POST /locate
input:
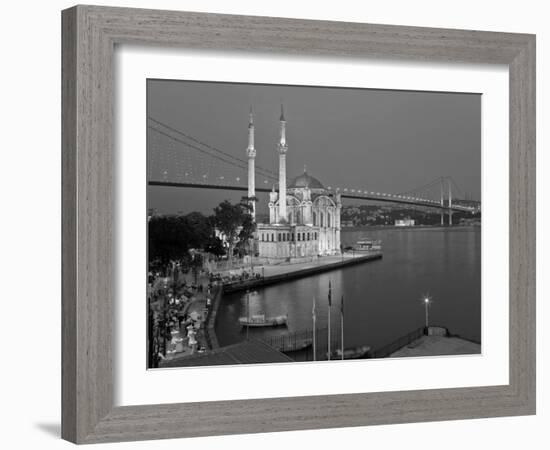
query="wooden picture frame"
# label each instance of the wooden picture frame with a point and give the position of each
(90, 34)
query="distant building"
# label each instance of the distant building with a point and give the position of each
(404, 222)
(304, 217)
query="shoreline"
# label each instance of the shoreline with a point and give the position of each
(230, 288)
(220, 290)
(367, 228)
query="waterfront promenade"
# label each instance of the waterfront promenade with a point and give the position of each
(271, 274)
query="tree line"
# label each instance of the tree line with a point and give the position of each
(171, 237)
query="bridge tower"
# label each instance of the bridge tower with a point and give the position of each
(282, 148)
(251, 153)
(450, 203)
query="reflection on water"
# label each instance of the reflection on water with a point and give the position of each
(382, 298)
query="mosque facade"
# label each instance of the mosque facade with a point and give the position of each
(304, 216)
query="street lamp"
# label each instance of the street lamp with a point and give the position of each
(427, 301)
(247, 312)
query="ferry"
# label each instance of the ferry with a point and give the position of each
(260, 320)
(368, 245)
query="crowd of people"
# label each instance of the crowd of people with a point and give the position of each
(180, 298)
(240, 277)
(179, 303)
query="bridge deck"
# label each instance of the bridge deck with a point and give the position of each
(388, 198)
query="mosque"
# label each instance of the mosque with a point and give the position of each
(304, 216)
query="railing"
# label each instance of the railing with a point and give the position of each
(303, 341)
(290, 342)
(224, 265)
(300, 340)
(392, 347)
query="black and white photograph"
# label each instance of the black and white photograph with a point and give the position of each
(305, 224)
(275, 225)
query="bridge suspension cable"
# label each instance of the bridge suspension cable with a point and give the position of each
(179, 159)
(215, 152)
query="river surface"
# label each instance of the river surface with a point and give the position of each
(383, 298)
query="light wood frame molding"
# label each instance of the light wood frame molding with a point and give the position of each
(88, 43)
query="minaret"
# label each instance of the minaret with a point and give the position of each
(282, 148)
(251, 153)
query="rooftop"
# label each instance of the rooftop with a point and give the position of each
(247, 352)
(305, 180)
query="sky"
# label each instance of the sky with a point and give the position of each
(379, 140)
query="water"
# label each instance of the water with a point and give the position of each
(383, 299)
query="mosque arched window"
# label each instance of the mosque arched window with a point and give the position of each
(314, 219)
(321, 219)
(329, 220)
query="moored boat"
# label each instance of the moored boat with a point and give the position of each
(367, 245)
(260, 320)
(352, 353)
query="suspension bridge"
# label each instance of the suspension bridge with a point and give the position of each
(178, 159)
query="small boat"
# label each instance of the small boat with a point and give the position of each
(260, 320)
(352, 353)
(367, 245)
(292, 346)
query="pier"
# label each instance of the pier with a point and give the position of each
(431, 341)
(437, 341)
(287, 272)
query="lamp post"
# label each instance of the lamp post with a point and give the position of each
(164, 315)
(426, 307)
(314, 316)
(247, 312)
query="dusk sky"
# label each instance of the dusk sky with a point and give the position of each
(379, 140)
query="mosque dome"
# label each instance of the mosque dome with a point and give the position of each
(305, 180)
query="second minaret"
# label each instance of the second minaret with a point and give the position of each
(282, 147)
(251, 153)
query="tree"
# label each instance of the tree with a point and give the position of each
(196, 265)
(168, 238)
(228, 218)
(247, 233)
(214, 246)
(200, 229)
(171, 237)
